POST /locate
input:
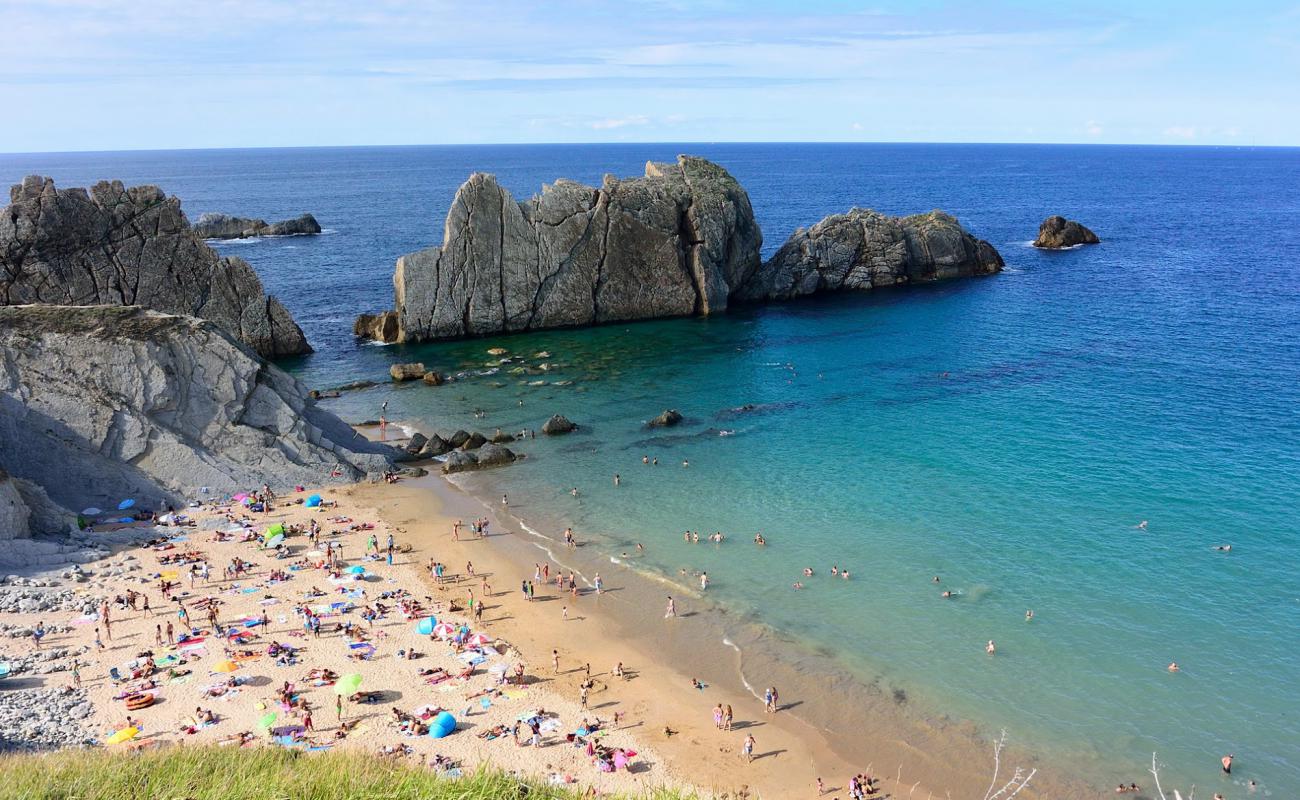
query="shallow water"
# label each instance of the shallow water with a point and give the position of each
(1004, 433)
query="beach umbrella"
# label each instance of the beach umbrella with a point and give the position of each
(92, 511)
(125, 504)
(312, 501)
(125, 734)
(248, 501)
(274, 541)
(425, 626)
(442, 725)
(499, 668)
(241, 497)
(226, 666)
(443, 629)
(274, 530)
(266, 720)
(478, 640)
(348, 684)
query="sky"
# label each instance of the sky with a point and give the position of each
(146, 74)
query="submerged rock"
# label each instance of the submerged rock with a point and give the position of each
(224, 226)
(106, 402)
(1057, 232)
(111, 245)
(557, 425)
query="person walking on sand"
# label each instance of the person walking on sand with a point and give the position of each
(671, 611)
(555, 661)
(38, 634)
(748, 748)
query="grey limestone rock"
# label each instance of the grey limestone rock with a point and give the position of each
(491, 455)
(224, 226)
(459, 461)
(435, 446)
(103, 403)
(475, 441)
(672, 243)
(111, 245)
(1057, 232)
(865, 249)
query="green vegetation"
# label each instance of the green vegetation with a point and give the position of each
(215, 773)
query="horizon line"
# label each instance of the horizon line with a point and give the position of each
(1169, 145)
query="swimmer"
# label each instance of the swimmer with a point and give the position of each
(574, 491)
(835, 570)
(645, 459)
(640, 548)
(704, 580)
(1173, 666)
(935, 579)
(1223, 548)
(797, 585)
(844, 573)
(617, 479)
(989, 648)
(1029, 615)
(1226, 761)
(946, 594)
(685, 463)
(1141, 525)
(758, 539)
(807, 572)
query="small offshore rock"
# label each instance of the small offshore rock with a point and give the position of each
(558, 424)
(432, 378)
(667, 419)
(1057, 232)
(407, 372)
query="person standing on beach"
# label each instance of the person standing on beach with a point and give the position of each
(727, 717)
(600, 584)
(338, 707)
(555, 661)
(704, 581)
(671, 611)
(748, 748)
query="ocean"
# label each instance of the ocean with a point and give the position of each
(1004, 434)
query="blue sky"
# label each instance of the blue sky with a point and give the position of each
(107, 74)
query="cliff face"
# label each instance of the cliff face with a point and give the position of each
(102, 403)
(117, 246)
(682, 240)
(670, 244)
(865, 249)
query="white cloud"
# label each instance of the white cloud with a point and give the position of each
(620, 122)
(1180, 132)
(1094, 128)
(857, 126)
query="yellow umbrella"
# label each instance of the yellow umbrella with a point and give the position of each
(117, 737)
(226, 666)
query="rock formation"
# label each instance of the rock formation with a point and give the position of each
(117, 246)
(865, 249)
(1057, 232)
(672, 243)
(489, 455)
(557, 425)
(667, 419)
(406, 372)
(103, 403)
(224, 226)
(682, 240)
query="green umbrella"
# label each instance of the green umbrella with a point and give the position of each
(348, 684)
(266, 720)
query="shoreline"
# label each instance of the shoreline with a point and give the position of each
(827, 729)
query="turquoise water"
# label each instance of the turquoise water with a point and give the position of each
(1004, 433)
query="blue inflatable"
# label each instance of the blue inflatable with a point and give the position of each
(442, 725)
(312, 501)
(425, 626)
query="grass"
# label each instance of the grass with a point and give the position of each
(216, 773)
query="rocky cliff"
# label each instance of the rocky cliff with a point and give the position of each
(224, 226)
(681, 240)
(865, 249)
(118, 246)
(672, 243)
(102, 403)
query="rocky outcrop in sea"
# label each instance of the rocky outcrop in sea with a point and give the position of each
(103, 403)
(865, 249)
(1057, 233)
(224, 226)
(679, 241)
(111, 245)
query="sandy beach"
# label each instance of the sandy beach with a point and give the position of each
(656, 709)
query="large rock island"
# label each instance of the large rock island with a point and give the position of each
(102, 403)
(111, 245)
(679, 241)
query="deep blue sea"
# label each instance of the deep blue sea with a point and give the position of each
(1006, 433)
